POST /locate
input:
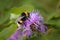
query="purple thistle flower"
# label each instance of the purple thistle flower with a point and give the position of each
(16, 35)
(34, 22)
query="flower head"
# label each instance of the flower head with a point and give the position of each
(32, 23)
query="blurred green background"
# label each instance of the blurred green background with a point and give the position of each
(11, 9)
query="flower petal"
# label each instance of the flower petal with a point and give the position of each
(15, 36)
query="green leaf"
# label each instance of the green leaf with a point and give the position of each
(53, 35)
(7, 32)
(4, 17)
(23, 8)
(54, 19)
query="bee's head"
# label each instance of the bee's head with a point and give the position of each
(23, 18)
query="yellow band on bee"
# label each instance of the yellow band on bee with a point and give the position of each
(26, 14)
(21, 21)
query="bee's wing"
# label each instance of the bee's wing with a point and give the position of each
(18, 19)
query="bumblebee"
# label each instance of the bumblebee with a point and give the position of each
(24, 16)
